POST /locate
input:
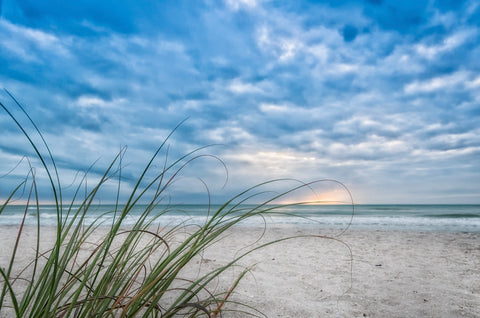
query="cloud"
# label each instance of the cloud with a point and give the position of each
(364, 91)
(448, 44)
(239, 87)
(447, 82)
(238, 4)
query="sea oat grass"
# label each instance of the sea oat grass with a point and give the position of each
(111, 269)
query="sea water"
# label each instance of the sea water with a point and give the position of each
(436, 218)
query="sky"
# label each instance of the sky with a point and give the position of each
(381, 95)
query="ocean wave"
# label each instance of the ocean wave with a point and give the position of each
(404, 218)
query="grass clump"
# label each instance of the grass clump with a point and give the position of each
(94, 269)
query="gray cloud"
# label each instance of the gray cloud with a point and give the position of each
(381, 95)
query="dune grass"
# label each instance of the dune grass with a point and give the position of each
(126, 270)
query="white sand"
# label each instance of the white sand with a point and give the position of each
(393, 274)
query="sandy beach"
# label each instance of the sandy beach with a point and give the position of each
(362, 274)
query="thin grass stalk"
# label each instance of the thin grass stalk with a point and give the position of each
(26, 299)
(7, 275)
(56, 192)
(2, 208)
(56, 189)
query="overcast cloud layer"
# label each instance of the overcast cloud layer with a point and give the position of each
(383, 96)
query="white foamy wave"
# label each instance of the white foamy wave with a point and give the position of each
(385, 218)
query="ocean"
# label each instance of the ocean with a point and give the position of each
(428, 218)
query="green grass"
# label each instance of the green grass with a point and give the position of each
(115, 270)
